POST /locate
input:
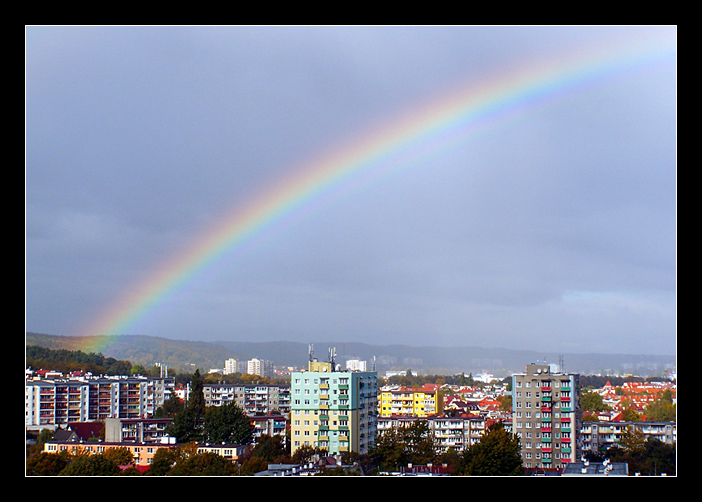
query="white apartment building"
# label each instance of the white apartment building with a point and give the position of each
(59, 401)
(230, 366)
(260, 367)
(356, 365)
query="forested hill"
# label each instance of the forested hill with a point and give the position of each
(67, 361)
(185, 356)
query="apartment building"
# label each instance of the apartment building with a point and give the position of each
(271, 425)
(597, 437)
(142, 453)
(230, 366)
(59, 401)
(457, 433)
(263, 399)
(404, 401)
(141, 430)
(332, 409)
(260, 367)
(546, 416)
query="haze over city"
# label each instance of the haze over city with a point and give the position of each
(545, 220)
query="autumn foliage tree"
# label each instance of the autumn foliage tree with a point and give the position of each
(496, 454)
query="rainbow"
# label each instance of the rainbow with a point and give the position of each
(457, 116)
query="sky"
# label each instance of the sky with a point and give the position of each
(549, 226)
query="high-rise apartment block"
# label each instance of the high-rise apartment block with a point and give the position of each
(60, 401)
(546, 416)
(334, 410)
(260, 367)
(253, 399)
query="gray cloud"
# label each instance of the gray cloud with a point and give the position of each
(557, 226)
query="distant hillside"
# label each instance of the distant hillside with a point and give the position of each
(185, 356)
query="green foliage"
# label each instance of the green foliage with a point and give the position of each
(164, 459)
(412, 380)
(91, 465)
(171, 408)
(227, 424)
(66, 361)
(204, 464)
(188, 425)
(271, 449)
(396, 448)
(496, 454)
(649, 457)
(304, 453)
(253, 465)
(662, 410)
(592, 401)
(45, 464)
(120, 456)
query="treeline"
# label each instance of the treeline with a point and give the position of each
(599, 381)
(67, 361)
(414, 381)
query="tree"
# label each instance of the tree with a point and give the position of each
(305, 453)
(253, 465)
(171, 407)
(164, 460)
(271, 449)
(188, 424)
(204, 464)
(496, 454)
(45, 464)
(396, 448)
(645, 456)
(120, 456)
(227, 424)
(592, 401)
(662, 410)
(91, 465)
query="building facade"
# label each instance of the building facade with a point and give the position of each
(457, 433)
(546, 416)
(398, 401)
(334, 410)
(260, 367)
(598, 437)
(142, 430)
(254, 399)
(59, 401)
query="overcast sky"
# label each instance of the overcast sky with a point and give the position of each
(551, 230)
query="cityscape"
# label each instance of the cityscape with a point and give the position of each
(351, 250)
(337, 415)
